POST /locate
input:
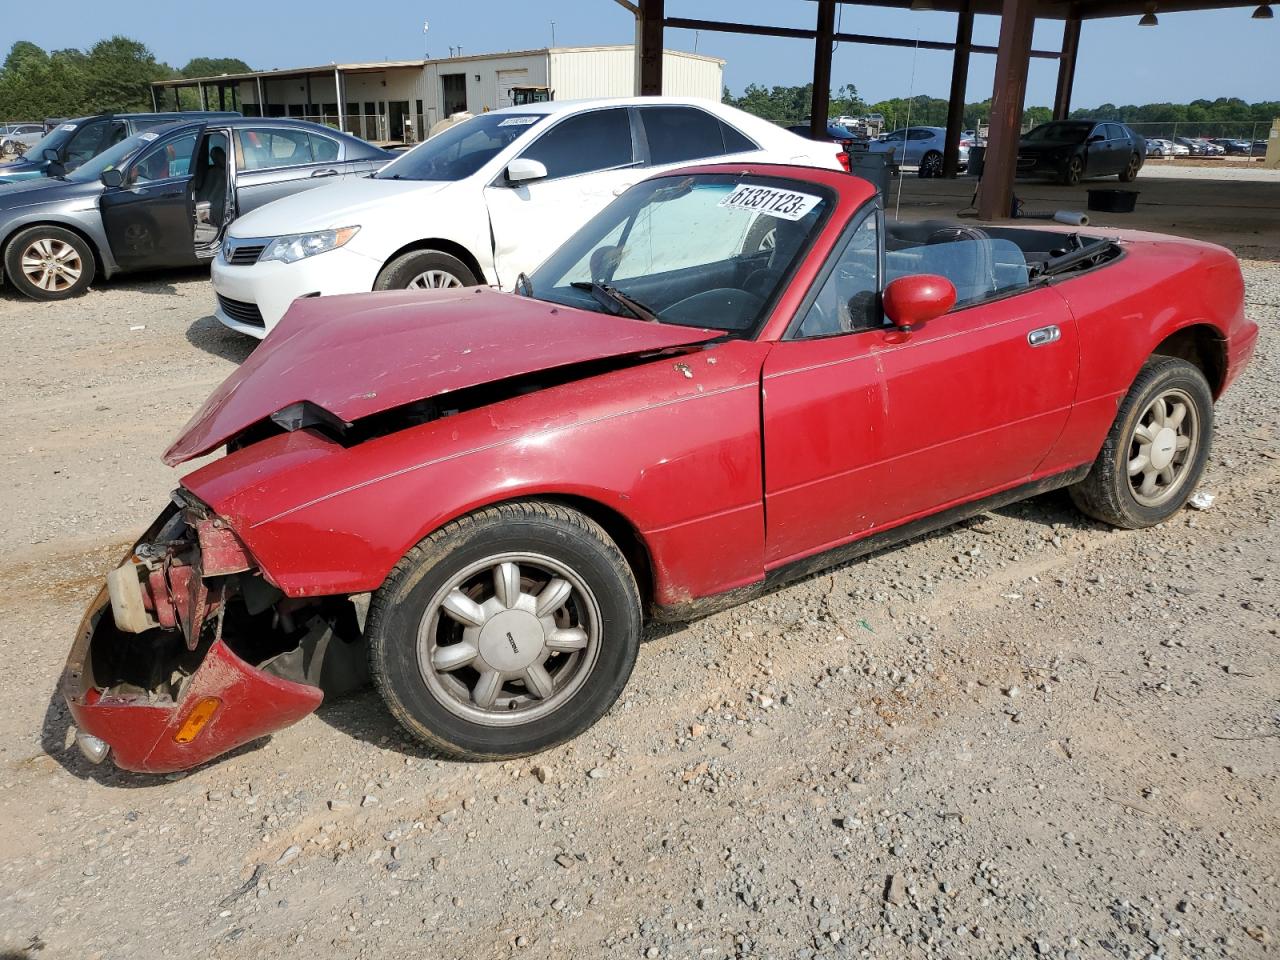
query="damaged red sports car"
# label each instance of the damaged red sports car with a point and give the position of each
(732, 375)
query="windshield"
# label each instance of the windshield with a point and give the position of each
(117, 156)
(53, 140)
(1063, 131)
(708, 250)
(462, 149)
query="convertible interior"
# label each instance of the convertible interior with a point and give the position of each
(982, 262)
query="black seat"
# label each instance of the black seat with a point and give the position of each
(213, 186)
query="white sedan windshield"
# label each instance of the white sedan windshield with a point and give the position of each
(462, 149)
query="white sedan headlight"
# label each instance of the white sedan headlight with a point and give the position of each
(301, 245)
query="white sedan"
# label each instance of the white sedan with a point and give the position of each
(484, 201)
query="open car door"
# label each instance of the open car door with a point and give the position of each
(150, 218)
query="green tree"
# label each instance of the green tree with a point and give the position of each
(214, 66)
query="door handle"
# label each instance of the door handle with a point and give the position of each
(1044, 335)
(325, 173)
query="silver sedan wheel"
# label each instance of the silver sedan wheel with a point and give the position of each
(433, 280)
(52, 265)
(509, 639)
(1163, 447)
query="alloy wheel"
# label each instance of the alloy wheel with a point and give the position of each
(1163, 447)
(509, 639)
(932, 165)
(433, 280)
(52, 265)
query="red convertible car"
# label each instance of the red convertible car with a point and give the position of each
(731, 376)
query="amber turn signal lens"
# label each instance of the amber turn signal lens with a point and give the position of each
(200, 714)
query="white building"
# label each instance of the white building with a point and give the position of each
(400, 100)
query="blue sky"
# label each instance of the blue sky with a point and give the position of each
(1189, 55)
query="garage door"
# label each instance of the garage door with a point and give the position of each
(508, 79)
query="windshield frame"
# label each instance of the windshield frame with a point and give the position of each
(602, 224)
(459, 131)
(55, 139)
(116, 158)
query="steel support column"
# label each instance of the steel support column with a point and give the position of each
(822, 41)
(1013, 55)
(155, 105)
(262, 104)
(649, 31)
(204, 98)
(222, 97)
(337, 92)
(1066, 68)
(959, 80)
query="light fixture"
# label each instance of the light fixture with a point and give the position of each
(1263, 12)
(1149, 19)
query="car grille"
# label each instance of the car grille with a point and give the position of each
(242, 254)
(238, 310)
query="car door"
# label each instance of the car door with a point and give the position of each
(918, 141)
(867, 427)
(590, 158)
(671, 136)
(149, 219)
(894, 145)
(273, 162)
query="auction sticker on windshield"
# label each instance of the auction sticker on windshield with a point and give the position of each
(517, 121)
(787, 204)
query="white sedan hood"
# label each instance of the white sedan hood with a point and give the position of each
(333, 205)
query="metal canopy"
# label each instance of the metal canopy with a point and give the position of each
(1013, 55)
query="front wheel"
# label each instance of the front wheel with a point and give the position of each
(425, 270)
(1073, 171)
(1130, 172)
(49, 263)
(505, 632)
(1156, 451)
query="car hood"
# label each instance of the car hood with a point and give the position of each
(358, 355)
(333, 205)
(38, 190)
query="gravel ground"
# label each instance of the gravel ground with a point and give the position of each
(1026, 736)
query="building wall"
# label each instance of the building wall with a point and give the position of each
(581, 72)
(484, 92)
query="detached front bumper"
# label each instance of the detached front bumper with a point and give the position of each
(224, 704)
(156, 701)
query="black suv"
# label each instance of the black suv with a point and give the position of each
(72, 142)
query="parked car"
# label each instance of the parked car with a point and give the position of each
(1233, 146)
(1156, 147)
(841, 136)
(921, 147)
(480, 203)
(480, 494)
(72, 142)
(1259, 148)
(163, 198)
(16, 138)
(1072, 150)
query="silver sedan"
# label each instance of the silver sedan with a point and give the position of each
(920, 147)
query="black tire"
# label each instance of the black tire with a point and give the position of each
(930, 165)
(400, 605)
(56, 239)
(1130, 172)
(1106, 493)
(1073, 172)
(399, 274)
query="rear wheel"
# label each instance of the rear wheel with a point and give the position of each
(1130, 172)
(931, 164)
(425, 270)
(1156, 451)
(49, 263)
(506, 632)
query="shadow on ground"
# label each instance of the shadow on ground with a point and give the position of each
(213, 338)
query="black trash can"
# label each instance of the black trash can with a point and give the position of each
(875, 168)
(977, 157)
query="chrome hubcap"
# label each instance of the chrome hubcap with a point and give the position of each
(1163, 447)
(52, 265)
(509, 639)
(433, 280)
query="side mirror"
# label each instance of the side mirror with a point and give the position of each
(52, 156)
(522, 170)
(112, 178)
(911, 301)
(1096, 138)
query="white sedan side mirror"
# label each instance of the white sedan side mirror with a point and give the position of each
(522, 170)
